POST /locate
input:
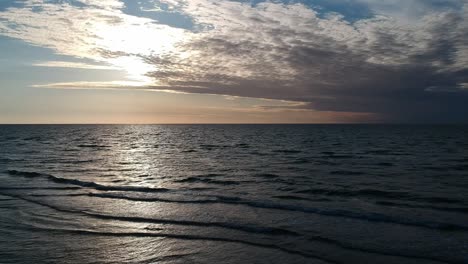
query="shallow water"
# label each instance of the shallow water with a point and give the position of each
(234, 194)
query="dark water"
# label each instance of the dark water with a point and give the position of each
(234, 194)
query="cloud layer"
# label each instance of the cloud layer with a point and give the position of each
(408, 62)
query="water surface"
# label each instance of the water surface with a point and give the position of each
(234, 194)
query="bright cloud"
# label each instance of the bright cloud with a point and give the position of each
(99, 31)
(74, 65)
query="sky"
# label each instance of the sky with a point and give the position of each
(220, 61)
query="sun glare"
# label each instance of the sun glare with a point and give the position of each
(134, 38)
(136, 68)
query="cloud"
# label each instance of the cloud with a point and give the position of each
(74, 65)
(380, 65)
(410, 10)
(109, 85)
(406, 63)
(90, 29)
(122, 85)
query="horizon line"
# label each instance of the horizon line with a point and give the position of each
(149, 124)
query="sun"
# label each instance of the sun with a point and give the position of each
(135, 68)
(130, 39)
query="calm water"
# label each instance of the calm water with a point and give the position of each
(234, 194)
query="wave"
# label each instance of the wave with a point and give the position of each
(246, 228)
(204, 180)
(59, 195)
(346, 172)
(189, 151)
(385, 164)
(379, 152)
(38, 138)
(39, 188)
(232, 226)
(380, 194)
(10, 138)
(187, 237)
(374, 251)
(213, 146)
(80, 161)
(333, 155)
(210, 181)
(198, 189)
(460, 167)
(70, 150)
(266, 175)
(86, 184)
(300, 161)
(94, 146)
(166, 258)
(432, 207)
(225, 225)
(343, 157)
(292, 197)
(211, 175)
(370, 217)
(287, 151)
(238, 241)
(207, 178)
(242, 145)
(362, 192)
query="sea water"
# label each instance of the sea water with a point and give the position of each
(234, 194)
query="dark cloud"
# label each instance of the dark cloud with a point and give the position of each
(413, 72)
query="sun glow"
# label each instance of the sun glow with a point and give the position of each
(131, 39)
(136, 68)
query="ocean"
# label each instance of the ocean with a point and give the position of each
(233, 194)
